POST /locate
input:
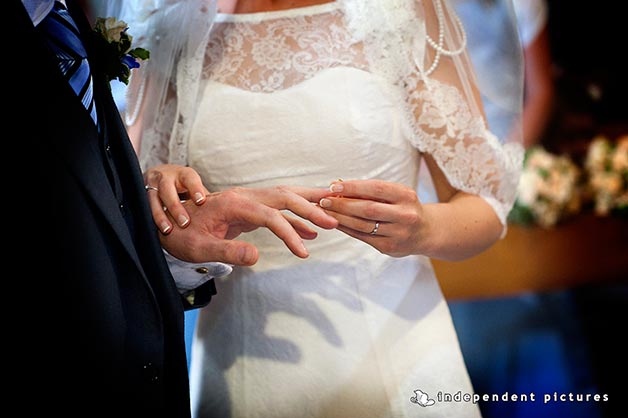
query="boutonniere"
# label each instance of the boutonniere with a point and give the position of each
(114, 44)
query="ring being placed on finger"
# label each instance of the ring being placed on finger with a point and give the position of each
(147, 188)
(375, 228)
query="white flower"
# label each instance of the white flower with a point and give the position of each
(607, 165)
(597, 153)
(112, 28)
(547, 186)
(619, 159)
(546, 214)
(540, 158)
(528, 187)
(608, 182)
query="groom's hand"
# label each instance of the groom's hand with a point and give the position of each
(225, 215)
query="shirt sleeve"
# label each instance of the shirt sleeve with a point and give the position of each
(189, 276)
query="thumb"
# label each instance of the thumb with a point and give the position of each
(232, 252)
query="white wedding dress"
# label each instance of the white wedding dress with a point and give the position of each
(296, 97)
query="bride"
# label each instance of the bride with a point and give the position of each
(307, 93)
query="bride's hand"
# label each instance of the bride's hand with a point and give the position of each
(388, 216)
(167, 185)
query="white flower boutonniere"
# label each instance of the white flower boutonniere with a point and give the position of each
(114, 44)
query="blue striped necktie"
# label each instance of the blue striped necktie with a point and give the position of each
(64, 40)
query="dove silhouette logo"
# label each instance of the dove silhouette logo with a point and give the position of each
(422, 398)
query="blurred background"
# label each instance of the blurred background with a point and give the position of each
(543, 310)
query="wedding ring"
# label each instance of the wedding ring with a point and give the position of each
(375, 228)
(147, 188)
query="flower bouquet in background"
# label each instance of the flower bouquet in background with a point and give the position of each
(548, 191)
(606, 166)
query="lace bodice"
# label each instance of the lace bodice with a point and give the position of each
(274, 51)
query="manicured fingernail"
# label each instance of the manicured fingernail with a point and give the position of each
(183, 221)
(304, 249)
(165, 228)
(336, 188)
(198, 197)
(324, 203)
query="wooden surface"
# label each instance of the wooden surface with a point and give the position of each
(583, 249)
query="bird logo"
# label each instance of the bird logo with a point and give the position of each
(422, 398)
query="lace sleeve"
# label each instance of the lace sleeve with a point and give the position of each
(445, 106)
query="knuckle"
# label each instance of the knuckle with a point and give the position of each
(409, 218)
(227, 249)
(285, 195)
(231, 195)
(379, 188)
(371, 211)
(276, 215)
(153, 175)
(410, 195)
(188, 174)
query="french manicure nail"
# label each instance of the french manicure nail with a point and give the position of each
(165, 228)
(198, 197)
(183, 221)
(324, 203)
(336, 188)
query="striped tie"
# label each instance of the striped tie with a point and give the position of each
(64, 39)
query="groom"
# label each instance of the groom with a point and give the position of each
(107, 317)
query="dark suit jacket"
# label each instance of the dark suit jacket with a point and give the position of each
(107, 320)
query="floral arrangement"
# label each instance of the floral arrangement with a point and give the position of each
(606, 166)
(115, 44)
(549, 189)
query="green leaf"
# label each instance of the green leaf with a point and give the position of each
(521, 215)
(544, 173)
(140, 53)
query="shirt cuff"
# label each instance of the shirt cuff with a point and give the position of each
(189, 276)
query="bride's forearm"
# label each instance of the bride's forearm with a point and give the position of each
(461, 228)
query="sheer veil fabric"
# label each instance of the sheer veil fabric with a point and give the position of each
(443, 102)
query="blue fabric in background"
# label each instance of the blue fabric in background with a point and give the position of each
(529, 343)
(190, 324)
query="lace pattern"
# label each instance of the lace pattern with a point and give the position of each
(279, 53)
(471, 157)
(384, 37)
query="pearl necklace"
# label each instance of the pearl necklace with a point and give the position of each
(439, 47)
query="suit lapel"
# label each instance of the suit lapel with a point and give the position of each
(79, 147)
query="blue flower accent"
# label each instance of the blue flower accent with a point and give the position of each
(116, 57)
(130, 62)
